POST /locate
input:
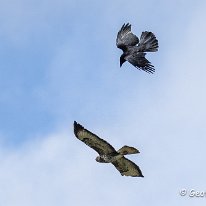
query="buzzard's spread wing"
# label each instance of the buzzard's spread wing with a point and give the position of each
(125, 37)
(127, 167)
(92, 140)
(138, 60)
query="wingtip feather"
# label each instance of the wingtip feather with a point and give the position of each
(77, 127)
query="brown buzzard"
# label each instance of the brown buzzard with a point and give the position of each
(107, 154)
(134, 49)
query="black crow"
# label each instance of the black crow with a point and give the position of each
(134, 49)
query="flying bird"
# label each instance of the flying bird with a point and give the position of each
(134, 49)
(107, 153)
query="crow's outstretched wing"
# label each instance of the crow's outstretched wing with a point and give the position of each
(125, 37)
(127, 167)
(92, 140)
(138, 60)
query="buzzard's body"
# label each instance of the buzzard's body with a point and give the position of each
(107, 154)
(134, 49)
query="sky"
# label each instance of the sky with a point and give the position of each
(59, 63)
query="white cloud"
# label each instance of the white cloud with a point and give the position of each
(43, 171)
(56, 170)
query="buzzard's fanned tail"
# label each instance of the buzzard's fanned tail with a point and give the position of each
(148, 42)
(125, 150)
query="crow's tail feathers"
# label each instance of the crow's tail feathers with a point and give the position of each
(148, 42)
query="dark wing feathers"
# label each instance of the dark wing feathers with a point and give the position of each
(139, 61)
(92, 140)
(148, 42)
(127, 167)
(134, 49)
(125, 37)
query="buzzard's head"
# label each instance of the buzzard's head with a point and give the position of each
(122, 60)
(99, 159)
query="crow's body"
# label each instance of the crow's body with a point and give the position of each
(134, 49)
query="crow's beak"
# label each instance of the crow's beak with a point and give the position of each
(122, 60)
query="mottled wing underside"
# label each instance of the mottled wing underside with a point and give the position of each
(125, 37)
(99, 145)
(127, 167)
(138, 60)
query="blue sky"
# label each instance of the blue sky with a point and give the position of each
(59, 63)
